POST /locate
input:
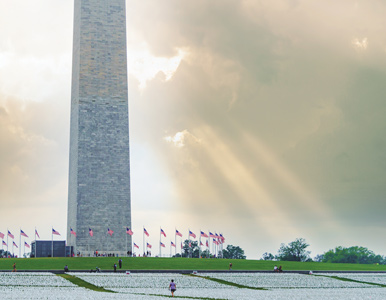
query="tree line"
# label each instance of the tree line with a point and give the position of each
(297, 251)
(191, 249)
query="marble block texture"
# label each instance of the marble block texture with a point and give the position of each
(99, 171)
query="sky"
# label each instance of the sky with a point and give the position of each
(260, 120)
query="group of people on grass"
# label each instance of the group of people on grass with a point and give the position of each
(277, 269)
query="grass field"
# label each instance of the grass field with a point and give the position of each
(153, 263)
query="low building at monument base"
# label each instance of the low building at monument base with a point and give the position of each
(51, 249)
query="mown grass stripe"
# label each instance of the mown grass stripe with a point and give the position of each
(81, 283)
(221, 281)
(352, 280)
(189, 297)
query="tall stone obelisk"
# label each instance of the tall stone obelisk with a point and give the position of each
(99, 173)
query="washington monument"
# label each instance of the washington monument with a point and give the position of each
(99, 173)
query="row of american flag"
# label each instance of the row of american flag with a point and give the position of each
(217, 238)
(22, 233)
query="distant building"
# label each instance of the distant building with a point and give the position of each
(44, 249)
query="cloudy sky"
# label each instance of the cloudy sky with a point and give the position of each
(263, 120)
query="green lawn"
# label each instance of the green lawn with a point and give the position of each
(150, 263)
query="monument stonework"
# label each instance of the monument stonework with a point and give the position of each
(99, 171)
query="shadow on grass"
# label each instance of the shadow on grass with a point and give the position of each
(353, 280)
(80, 282)
(228, 282)
(184, 297)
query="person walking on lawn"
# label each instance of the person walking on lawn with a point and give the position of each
(172, 287)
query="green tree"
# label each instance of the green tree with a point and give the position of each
(4, 253)
(268, 256)
(353, 255)
(191, 250)
(319, 258)
(205, 254)
(234, 252)
(294, 251)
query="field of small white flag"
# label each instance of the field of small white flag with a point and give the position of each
(203, 286)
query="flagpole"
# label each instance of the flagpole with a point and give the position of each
(52, 241)
(209, 242)
(7, 242)
(216, 247)
(143, 238)
(222, 245)
(175, 241)
(207, 246)
(190, 243)
(35, 242)
(160, 254)
(199, 248)
(20, 243)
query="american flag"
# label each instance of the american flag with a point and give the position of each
(136, 246)
(203, 234)
(211, 235)
(55, 232)
(148, 245)
(207, 243)
(201, 244)
(215, 242)
(11, 235)
(217, 236)
(4, 243)
(110, 232)
(22, 233)
(178, 233)
(190, 244)
(1, 235)
(36, 232)
(25, 244)
(15, 244)
(162, 244)
(192, 234)
(222, 238)
(72, 232)
(128, 231)
(163, 232)
(90, 232)
(145, 232)
(173, 245)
